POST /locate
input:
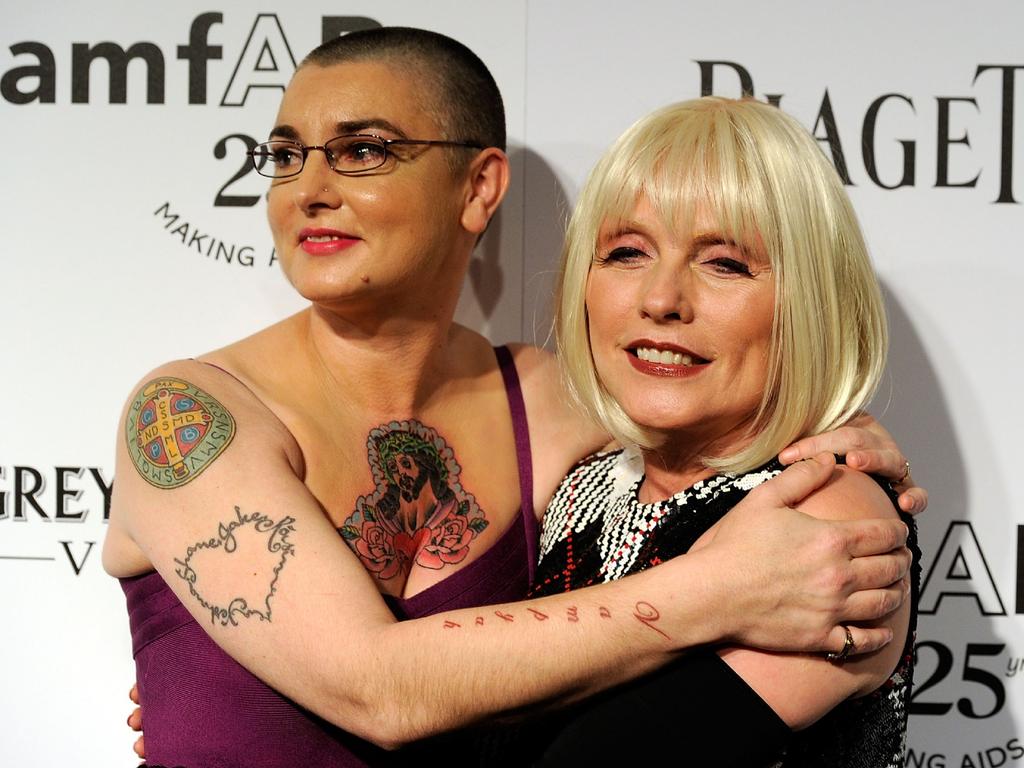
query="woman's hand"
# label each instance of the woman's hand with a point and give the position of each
(868, 447)
(135, 721)
(793, 580)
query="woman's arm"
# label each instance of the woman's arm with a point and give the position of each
(801, 688)
(251, 554)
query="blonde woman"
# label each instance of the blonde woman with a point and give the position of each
(717, 303)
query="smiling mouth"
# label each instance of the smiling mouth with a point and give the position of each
(667, 357)
(324, 242)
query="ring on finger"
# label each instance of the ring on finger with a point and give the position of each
(847, 649)
(906, 473)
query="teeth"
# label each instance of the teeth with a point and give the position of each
(322, 238)
(664, 356)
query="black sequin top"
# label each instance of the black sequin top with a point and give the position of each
(596, 530)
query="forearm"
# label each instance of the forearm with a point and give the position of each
(422, 677)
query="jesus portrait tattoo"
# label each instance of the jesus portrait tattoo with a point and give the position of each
(418, 511)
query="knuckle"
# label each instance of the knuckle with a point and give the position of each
(906, 561)
(856, 437)
(895, 569)
(837, 582)
(888, 602)
(866, 641)
(834, 543)
(764, 494)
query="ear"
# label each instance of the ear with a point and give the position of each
(486, 183)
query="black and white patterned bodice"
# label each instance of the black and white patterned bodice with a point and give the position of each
(596, 530)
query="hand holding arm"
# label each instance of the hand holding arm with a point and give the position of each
(868, 447)
(802, 577)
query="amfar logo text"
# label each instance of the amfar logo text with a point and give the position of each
(265, 61)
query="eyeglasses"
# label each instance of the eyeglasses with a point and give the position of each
(348, 155)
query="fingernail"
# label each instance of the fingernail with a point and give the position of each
(788, 455)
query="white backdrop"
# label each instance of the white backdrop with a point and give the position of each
(126, 240)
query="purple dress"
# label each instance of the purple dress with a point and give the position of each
(202, 709)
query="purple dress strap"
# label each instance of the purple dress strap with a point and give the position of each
(524, 457)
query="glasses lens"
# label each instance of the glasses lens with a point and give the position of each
(353, 154)
(277, 159)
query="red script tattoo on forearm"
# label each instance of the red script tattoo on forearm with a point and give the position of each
(647, 614)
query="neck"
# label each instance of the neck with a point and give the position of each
(665, 474)
(388, 365)
(679, 462)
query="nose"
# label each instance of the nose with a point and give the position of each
(665, 293)
(317, 185)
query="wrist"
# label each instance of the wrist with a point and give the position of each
(704, 596)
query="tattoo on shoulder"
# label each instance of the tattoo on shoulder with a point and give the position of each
(248, 543)
(419, 511)
(174, 431)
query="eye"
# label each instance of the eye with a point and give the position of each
(728, 266)
(283, 155)
(624, 255)
(274, 158)
(355, 153)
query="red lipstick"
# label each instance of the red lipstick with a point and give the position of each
(651, 368)
(320, 242)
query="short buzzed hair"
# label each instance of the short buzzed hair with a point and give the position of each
(464, 96)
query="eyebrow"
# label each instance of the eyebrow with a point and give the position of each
(710, 239)
(344, 128)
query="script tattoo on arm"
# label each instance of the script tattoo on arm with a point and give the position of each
(174, 431)
(643, 612)
(419, 511)
(249, 543)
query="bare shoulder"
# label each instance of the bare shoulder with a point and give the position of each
(533, 360)
(179, 423)
(247, 358)
(849, 495)
(560, 433)
(190, 403)
(543, 389)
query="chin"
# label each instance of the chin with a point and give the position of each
(318, 287)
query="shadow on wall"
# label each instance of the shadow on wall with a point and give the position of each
(961, 680)
(521, 247)
(546, 211)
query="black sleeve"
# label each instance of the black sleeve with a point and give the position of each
(694, 712)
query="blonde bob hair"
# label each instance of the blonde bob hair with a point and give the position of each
(764, 180)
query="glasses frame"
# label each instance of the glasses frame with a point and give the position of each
(332, 160)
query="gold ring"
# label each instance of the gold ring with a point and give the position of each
(906, 473)
(848, 646)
